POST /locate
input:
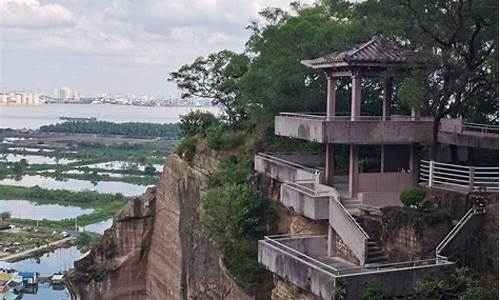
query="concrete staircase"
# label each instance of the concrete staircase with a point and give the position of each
(351, 205)
(375, 254)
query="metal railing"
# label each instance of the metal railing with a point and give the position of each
(454, 231)
(306, 259)
(300, 186)
(482, 128)
(323, 117)
(274, 158)
(469, 177)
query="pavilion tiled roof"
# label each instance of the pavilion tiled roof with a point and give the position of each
(376, 51)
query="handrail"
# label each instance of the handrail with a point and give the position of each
(455, 230)
(351, 218)
(301, 256)
(469, 177)
(287, 162)
(323, 117)
(308, 191)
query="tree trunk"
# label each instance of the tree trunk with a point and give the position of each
(435, 141)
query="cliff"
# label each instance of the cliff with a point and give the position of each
(155, 248)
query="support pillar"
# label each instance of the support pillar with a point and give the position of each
(413, 162)
(387, 94)
(329, 165)
(415, 114)
(331, 96)
(353, 171)
(355, 96)
(332, 242)
(382, 158)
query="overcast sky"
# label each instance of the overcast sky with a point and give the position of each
(127, 46)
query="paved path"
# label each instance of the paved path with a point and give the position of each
(27, 253)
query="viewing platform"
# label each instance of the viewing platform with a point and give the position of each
(358, 130)
(304, 261)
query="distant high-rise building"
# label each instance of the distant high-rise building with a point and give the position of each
(25, 98)
(65, 93)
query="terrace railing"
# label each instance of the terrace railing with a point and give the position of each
(483, 128)
(323, 117)
(472, 178)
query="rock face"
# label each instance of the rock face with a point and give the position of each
(156, 249)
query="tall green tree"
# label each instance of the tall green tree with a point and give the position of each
(215, 77)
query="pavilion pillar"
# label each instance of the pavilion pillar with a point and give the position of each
(387, 94)
(353, 171)
(355, 96)
(330, 99)
(415, 114)
(330, 112)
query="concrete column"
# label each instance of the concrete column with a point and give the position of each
(332, 242)
(413, 162)
(329, 165)
(382, 158)
(330, 99)
(356, 96)
(386, 98)
(353, 171)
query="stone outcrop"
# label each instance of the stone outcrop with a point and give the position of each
(155, 249)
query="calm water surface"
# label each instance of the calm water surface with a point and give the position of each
(36, 159)
(33, 117)
(109, 187)
(59, 260)
(25, 209)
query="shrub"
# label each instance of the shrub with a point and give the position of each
(197, 122)
(412, 196)
(231, 170)
(374, 290)
(240, 257)
(220, 138)
(186, 148)
(235, 211)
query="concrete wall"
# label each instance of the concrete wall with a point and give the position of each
(306, 129)
(311, 206)
(313, 246)
(384, 182)
(398, 281)
(348, 231)
(296, 271)
(360, 132)
(282, 171)
(470, 139)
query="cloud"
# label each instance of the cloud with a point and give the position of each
(97, 45)
(33, 14)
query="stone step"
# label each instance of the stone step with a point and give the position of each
(378, 259)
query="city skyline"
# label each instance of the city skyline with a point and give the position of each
(115, 46)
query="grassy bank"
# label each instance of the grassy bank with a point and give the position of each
(105, 205)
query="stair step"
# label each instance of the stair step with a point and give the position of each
(380, 259)
(375, 253)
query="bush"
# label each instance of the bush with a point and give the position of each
(413, 196)
(197, 122)
(236, 211)
(220, 138)
(240, 257)
(231, 170)
(186, 148)
(374, 290)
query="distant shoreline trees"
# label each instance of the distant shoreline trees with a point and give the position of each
(128, 129)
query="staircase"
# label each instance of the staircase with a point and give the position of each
(375, 255)
(351, 205)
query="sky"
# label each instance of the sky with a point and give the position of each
(115, 46)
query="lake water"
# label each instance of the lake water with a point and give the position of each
(25, 209)
(121, 165)
(32, 117)
(59, 260)
(36, 159)
(99, 227)
(109, 187)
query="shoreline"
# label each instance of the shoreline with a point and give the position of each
(38, 250)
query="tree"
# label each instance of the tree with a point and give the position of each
(455, 54)
(215, 77)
